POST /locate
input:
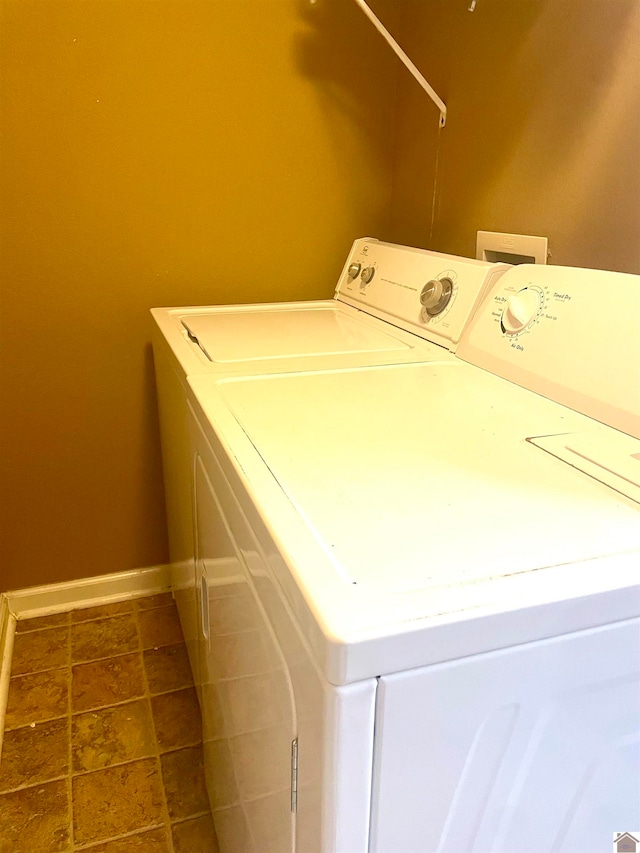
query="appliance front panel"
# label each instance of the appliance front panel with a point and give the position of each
(569, 334)
(428, 293)
(527, 749)
(248, 707)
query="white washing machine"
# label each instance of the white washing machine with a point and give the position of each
(392, 304)
(421, 627)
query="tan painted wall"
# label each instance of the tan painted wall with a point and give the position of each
(158, 153)
(543, 133)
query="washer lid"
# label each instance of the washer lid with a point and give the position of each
(412, 519)
(265, 332)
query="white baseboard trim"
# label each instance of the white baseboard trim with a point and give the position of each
(71, 595)
(87, 592)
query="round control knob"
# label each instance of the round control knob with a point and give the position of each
(435, 295)
(353, 270)
(520, 310)
(367, 274)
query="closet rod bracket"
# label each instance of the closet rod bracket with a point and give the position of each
(409, 65)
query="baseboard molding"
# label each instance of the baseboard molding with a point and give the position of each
(7, 631)
(71, 595)
(87, 592)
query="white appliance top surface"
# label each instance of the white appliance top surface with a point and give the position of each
(377, 317)
(283, 337)
(411, 493)
(257, 333)
(429, 492)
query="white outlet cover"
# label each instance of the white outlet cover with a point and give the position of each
(494, 245)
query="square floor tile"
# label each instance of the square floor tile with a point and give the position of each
(116, 801)
(232, 830)
(36, 697)
(160, 627)
(257, 761)
(270, 820)
(167, 668)
(112, 736)
(106, 682)
(176, 717)
(112, 739)
(104, 638)
(195, 835)
(35, 820)
(184, 783)
(33, 755)
(220, 774)
(40, 650)
(237, 655)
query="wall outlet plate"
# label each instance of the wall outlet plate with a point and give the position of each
(511, 248)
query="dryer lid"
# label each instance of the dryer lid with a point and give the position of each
(412, 520)
(425, 476)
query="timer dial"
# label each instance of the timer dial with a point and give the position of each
(436, 295)
(367, 274)
(521, 308)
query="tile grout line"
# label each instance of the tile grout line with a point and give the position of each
(36, 722)
(96, 618)
(61, 778)
(143, 698)
(92, 845)
(68, 717)
(147, 693)
(69, 735)
(65, 777)
(94, 708)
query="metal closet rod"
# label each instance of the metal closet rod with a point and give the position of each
(393, 44)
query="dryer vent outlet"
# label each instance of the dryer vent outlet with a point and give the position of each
(514, 249)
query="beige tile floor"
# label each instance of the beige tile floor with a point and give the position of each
(103, 740)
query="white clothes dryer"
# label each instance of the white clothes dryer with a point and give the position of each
(421, 626)
(392, 304)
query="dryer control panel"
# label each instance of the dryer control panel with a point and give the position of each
(570, 334)
(428, 293)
